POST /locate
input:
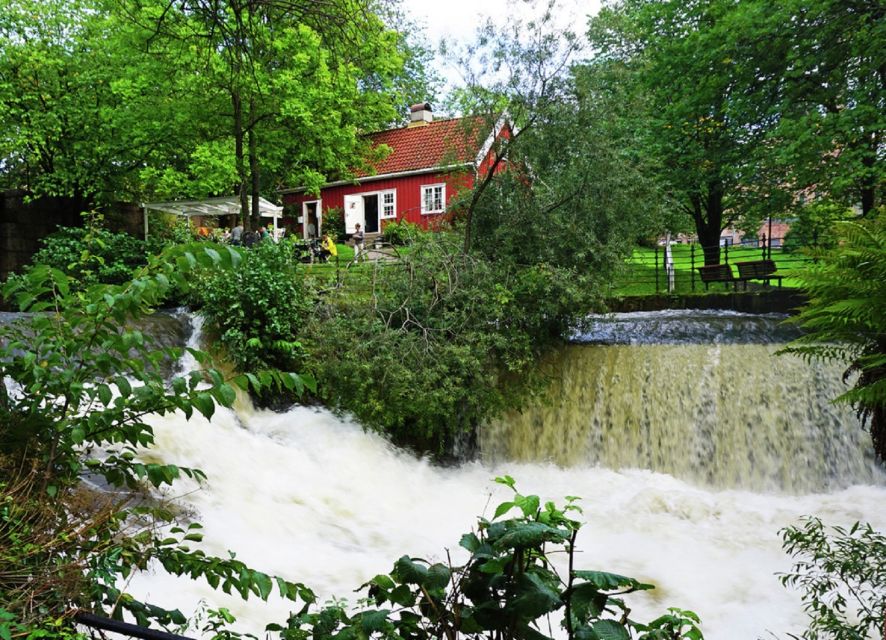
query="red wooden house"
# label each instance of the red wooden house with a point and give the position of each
(429, 163)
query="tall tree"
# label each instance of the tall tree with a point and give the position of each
(73, 103)
(823, 63)
(683, 62)
(512, 75)
(301, 79)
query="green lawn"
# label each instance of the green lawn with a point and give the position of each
(639, 276)
(340, 273)
(637, 279)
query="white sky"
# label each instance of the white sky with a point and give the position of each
(457, 20)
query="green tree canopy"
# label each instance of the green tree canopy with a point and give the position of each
(134, 99)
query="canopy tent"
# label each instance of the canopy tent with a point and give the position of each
(225, 206)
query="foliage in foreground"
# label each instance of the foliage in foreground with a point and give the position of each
(519, 574)
(842, 576)
(846, 318)
(79, 380)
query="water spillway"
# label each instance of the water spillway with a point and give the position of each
(712, 458)
(702, 396)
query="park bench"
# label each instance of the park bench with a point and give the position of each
(758, 270)
(716, 273)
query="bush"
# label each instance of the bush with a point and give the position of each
(78, 384)
(400, 233)
(814, 226)
(508, 589)
(258, 310)
(441, 341)
(92, 255)
(334, 224)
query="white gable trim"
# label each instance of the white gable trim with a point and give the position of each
(487, 145)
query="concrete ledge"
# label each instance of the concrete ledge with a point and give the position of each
(772, 301)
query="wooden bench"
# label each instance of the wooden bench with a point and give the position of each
(758, 270)
(716, 273)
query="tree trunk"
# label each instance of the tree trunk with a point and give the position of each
(242, 178)
(707, 213)
(253, 166)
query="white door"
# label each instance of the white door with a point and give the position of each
(354, 213)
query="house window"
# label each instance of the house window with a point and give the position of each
(433, 198)
(389, 204)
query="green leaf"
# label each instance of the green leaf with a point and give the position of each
(213, 255)
(502, 509)
(204, 403)
(263, 584)
(104, 394)
(610, 630)
(226, 395)
(470, 542)
(123, 385)
(409, 572)
(609, 581)
(529, 534)
(374, 621)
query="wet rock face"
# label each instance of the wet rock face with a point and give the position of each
(168, 329)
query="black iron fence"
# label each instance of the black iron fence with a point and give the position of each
(683, 268)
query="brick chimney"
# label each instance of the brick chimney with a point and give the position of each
(420, 115)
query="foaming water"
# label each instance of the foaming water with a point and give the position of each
(314, 498)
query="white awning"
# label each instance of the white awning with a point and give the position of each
(225, 206)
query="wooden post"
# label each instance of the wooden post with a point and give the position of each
(692, 264)
(656, 268)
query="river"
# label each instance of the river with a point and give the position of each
(689, 441)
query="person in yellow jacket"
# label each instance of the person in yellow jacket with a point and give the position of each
(329, 245)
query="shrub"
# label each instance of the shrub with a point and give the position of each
(92, 255)
(440, 341)
(334, 223)
(814, 226)
(400, 233)
(78, 384)
(257, 310)
(508, 589)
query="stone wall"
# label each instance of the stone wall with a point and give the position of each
(23, 224)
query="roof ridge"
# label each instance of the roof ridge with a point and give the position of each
(406, 127)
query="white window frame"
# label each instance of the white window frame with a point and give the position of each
(382, 205)
(425, 188)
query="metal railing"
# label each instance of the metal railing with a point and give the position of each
(674, 267)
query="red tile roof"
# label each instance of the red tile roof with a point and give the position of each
(437, 144)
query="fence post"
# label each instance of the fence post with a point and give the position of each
(692, 264)
(656, 268)
(726, 252)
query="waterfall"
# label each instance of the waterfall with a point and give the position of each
(723, 415)
(690, 494)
